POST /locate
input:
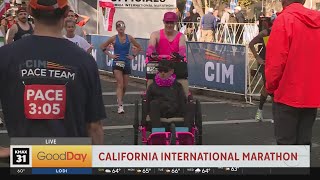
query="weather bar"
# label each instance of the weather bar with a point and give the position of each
(163, 171)
(202, 171)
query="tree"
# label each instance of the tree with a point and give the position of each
(197, 4)
(246, 3)
(181, 4)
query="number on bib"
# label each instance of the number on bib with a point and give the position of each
(120, 64)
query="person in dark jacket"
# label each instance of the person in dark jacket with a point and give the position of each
(292, 72)
(239, 27)
(165, 96)
(187, 21)
(195, 18)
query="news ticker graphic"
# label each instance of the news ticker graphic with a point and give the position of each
(77, 156)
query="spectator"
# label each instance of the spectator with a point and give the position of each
(195, 18)
(3, 31)
(82, 20)
(21, 29)
(273, 15)
(189, 26)
(2, 39)
(10, 20)
(226, 15)
(79, 30)
(292, 72)
(207, 27)
(179, 15)
(216, 19)
(225, 36)
(4, 25)
(70, 27)
(239, 28)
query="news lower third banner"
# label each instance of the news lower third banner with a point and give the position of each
(73, 153)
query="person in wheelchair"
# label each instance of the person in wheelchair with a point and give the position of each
(166, 97)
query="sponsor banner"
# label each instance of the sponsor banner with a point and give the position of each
(213, 66)
(138, 65)
(201, 156)
(144, 4)
(217, 66)
(103, 61)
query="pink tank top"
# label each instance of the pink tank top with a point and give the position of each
(165, 47)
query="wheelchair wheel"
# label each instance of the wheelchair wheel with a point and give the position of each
(136, 122)
(198, 123)
(173, 137)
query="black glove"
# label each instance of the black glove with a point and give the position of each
(176, 55)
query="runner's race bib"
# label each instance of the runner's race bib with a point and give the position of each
(120, 64)
(44, 102)
(152, 68)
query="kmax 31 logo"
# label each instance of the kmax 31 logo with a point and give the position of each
(61, 156)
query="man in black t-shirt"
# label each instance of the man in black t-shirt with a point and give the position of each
(49, 86)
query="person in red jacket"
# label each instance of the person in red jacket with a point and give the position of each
(292, 72)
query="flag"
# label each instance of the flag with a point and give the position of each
(187, 9)
(4, 6)
(233, 4)
(108, 11)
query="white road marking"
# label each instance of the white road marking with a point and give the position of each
(129, 105)
(127, 93)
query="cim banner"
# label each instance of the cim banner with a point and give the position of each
(213, 66)
(217, 66)
(145, 4)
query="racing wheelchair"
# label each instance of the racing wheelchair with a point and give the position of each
(173, 130)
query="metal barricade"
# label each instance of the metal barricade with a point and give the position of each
(228, 33)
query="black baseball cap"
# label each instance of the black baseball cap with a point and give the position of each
(165, 65)
(48, 5)
(21, 9)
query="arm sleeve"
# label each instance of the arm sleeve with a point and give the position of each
(277, 54)
(202, 22)
(95, 110)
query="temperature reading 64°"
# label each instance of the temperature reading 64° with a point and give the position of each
(116, 171)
